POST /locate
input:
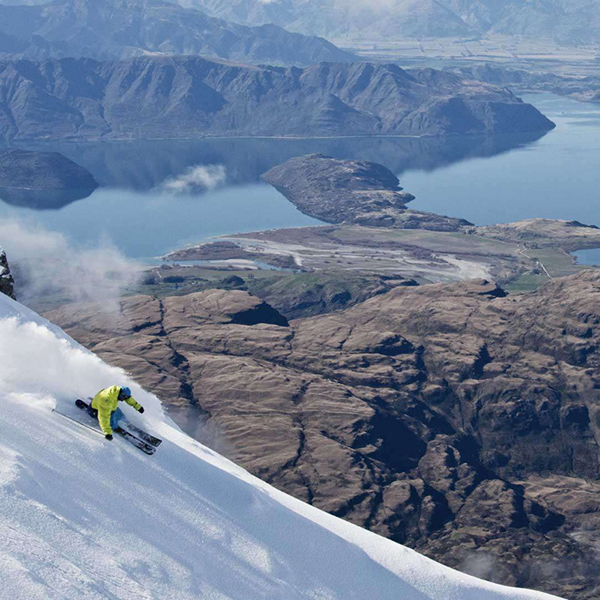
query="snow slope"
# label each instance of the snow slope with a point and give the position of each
(84, 518)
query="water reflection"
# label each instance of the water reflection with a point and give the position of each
(202, 165)
(43, 199)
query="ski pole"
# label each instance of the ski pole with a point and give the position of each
(76, 421)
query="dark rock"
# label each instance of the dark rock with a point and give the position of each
(233, 281)
(262, 313)
(6, 279)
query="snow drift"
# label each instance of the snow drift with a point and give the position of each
(84, 518)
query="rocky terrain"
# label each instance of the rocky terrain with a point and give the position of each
(191, 96)
(110, 29)
(6, 280)
(451, 417)
(570, 21)
(351, 191)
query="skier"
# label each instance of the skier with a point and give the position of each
(105, 406)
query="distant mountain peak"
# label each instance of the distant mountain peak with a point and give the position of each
(104, 29)
(569, 21)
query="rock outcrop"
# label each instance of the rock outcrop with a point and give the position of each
(352, 191)
(187, 96)
(6, 279)
(334, 190)
(447, 417)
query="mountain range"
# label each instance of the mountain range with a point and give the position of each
(568, 21)
(170, 97)
(109, 29)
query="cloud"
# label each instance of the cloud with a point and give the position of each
(62, 371)
(200, 178)
(47, 268)
(479, 564)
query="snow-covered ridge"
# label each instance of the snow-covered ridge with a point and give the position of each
(84, 518)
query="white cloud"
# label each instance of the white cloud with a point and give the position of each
(196, 179)
(44, 262)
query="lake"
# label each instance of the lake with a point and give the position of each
(157, 196)
(558, 176)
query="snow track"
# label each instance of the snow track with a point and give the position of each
(84, 518)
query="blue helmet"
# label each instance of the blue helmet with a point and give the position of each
(124, 393)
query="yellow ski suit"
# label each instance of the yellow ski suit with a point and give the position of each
(106, 402)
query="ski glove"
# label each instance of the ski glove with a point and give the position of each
(141, 411)
(109, 437)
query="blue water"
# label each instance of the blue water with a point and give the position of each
(483, 179)
(149, 224)
(557, 176)
(588, 257)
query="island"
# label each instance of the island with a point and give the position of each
(23, 169)
(42, 180)
(352, 191)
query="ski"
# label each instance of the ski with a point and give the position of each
(76, 421)
(138, 442)
(140, 433)
(141, 444)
